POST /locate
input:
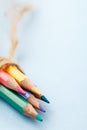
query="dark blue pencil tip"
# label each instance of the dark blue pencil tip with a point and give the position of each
(44, 99)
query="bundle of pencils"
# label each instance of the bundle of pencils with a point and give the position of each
(24, 100)
(15, 87)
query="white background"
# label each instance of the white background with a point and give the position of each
(53, 52)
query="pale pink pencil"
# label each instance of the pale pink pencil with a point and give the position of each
(10, 82)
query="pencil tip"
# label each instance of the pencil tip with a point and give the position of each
(38, 117)
(20, 90)
(44, 99)
(41, 108)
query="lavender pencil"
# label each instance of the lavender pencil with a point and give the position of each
(32, 99)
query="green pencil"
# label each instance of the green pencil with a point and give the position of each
(18, 103)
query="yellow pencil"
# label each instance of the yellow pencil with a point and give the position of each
(24, 81)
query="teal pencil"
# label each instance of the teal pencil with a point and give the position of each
(18, 103)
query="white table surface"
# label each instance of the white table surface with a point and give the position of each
(53, 53)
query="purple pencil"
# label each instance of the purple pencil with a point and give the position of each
(32, 99)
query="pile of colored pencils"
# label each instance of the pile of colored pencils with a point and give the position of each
(19, 91)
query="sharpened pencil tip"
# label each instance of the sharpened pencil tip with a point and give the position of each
(38, 117)
(20, 90)
(44, 99)
(41, 108)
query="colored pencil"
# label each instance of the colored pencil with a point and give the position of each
(32, 99)
(18, 103)
(25, 82)
(10, 82)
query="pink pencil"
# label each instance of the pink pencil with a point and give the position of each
(10, 82)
